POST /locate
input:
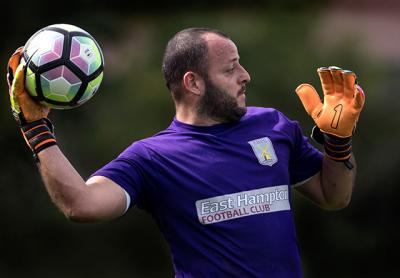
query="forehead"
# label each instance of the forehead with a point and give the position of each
(220, 49)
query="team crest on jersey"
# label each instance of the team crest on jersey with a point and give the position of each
(264, 151)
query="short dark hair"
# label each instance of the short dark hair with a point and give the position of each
(186, 51)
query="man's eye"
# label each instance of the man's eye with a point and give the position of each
(231, 69)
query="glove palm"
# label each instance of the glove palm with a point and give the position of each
(343, 101)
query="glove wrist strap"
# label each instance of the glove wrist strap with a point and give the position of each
(39, 135)
(336, 148)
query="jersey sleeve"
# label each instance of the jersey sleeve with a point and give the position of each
(126, 171)
(305, 160)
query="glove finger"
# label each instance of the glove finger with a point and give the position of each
(309, 98)
(349, 78)
(337, 79)
(12, 65)
(15, 107)
(359, 98)
(18, 85)
(14, 60)
(326, 80)
(31, 109)
(17, 89)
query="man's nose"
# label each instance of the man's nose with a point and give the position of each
(244, 76)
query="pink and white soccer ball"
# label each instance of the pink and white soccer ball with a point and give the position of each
(64, 66)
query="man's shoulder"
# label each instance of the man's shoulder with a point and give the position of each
(144, 147)
(272, 119)
(265, 113)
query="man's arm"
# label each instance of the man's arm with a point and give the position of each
(97, 199)
(332, 187)
(335, 120)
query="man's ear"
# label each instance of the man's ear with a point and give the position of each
(193, 83)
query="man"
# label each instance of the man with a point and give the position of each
(218, 180)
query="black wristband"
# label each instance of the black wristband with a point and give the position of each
(39, 135)
(336, 148)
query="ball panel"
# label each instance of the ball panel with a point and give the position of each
(54, 54)
(53, 73)
(85, 54)
(60, 84)
(68, 27)
(30, 82)
(45, 47)
(91, 89)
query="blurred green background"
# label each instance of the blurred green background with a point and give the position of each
(281, 44)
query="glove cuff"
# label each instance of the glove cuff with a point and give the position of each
(336, 148)
(39, 135)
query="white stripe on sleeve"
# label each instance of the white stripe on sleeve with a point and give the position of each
(128, 201)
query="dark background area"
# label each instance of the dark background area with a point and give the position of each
(281, 44)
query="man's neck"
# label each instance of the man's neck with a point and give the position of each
(190, 116)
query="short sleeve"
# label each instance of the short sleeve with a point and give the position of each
(126, 171)
(305, 160)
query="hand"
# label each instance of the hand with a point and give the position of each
(343, 101)
(23, 106)
(30, 115)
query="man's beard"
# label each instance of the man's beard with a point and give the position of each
(219, 105)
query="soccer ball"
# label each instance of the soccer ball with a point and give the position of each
(64, 66)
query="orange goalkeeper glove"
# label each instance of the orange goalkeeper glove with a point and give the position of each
(337, 116)
(30, 115)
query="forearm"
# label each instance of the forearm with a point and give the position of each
(65, 186)
(337, 182)
(98, 199)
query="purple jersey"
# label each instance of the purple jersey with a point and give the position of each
(221, 195)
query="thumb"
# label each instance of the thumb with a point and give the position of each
(309, 97)
(13, 63)
(17, 89)
(18, 85)
(15, 59)
(359, 98)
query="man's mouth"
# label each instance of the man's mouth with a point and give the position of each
(242, 91)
